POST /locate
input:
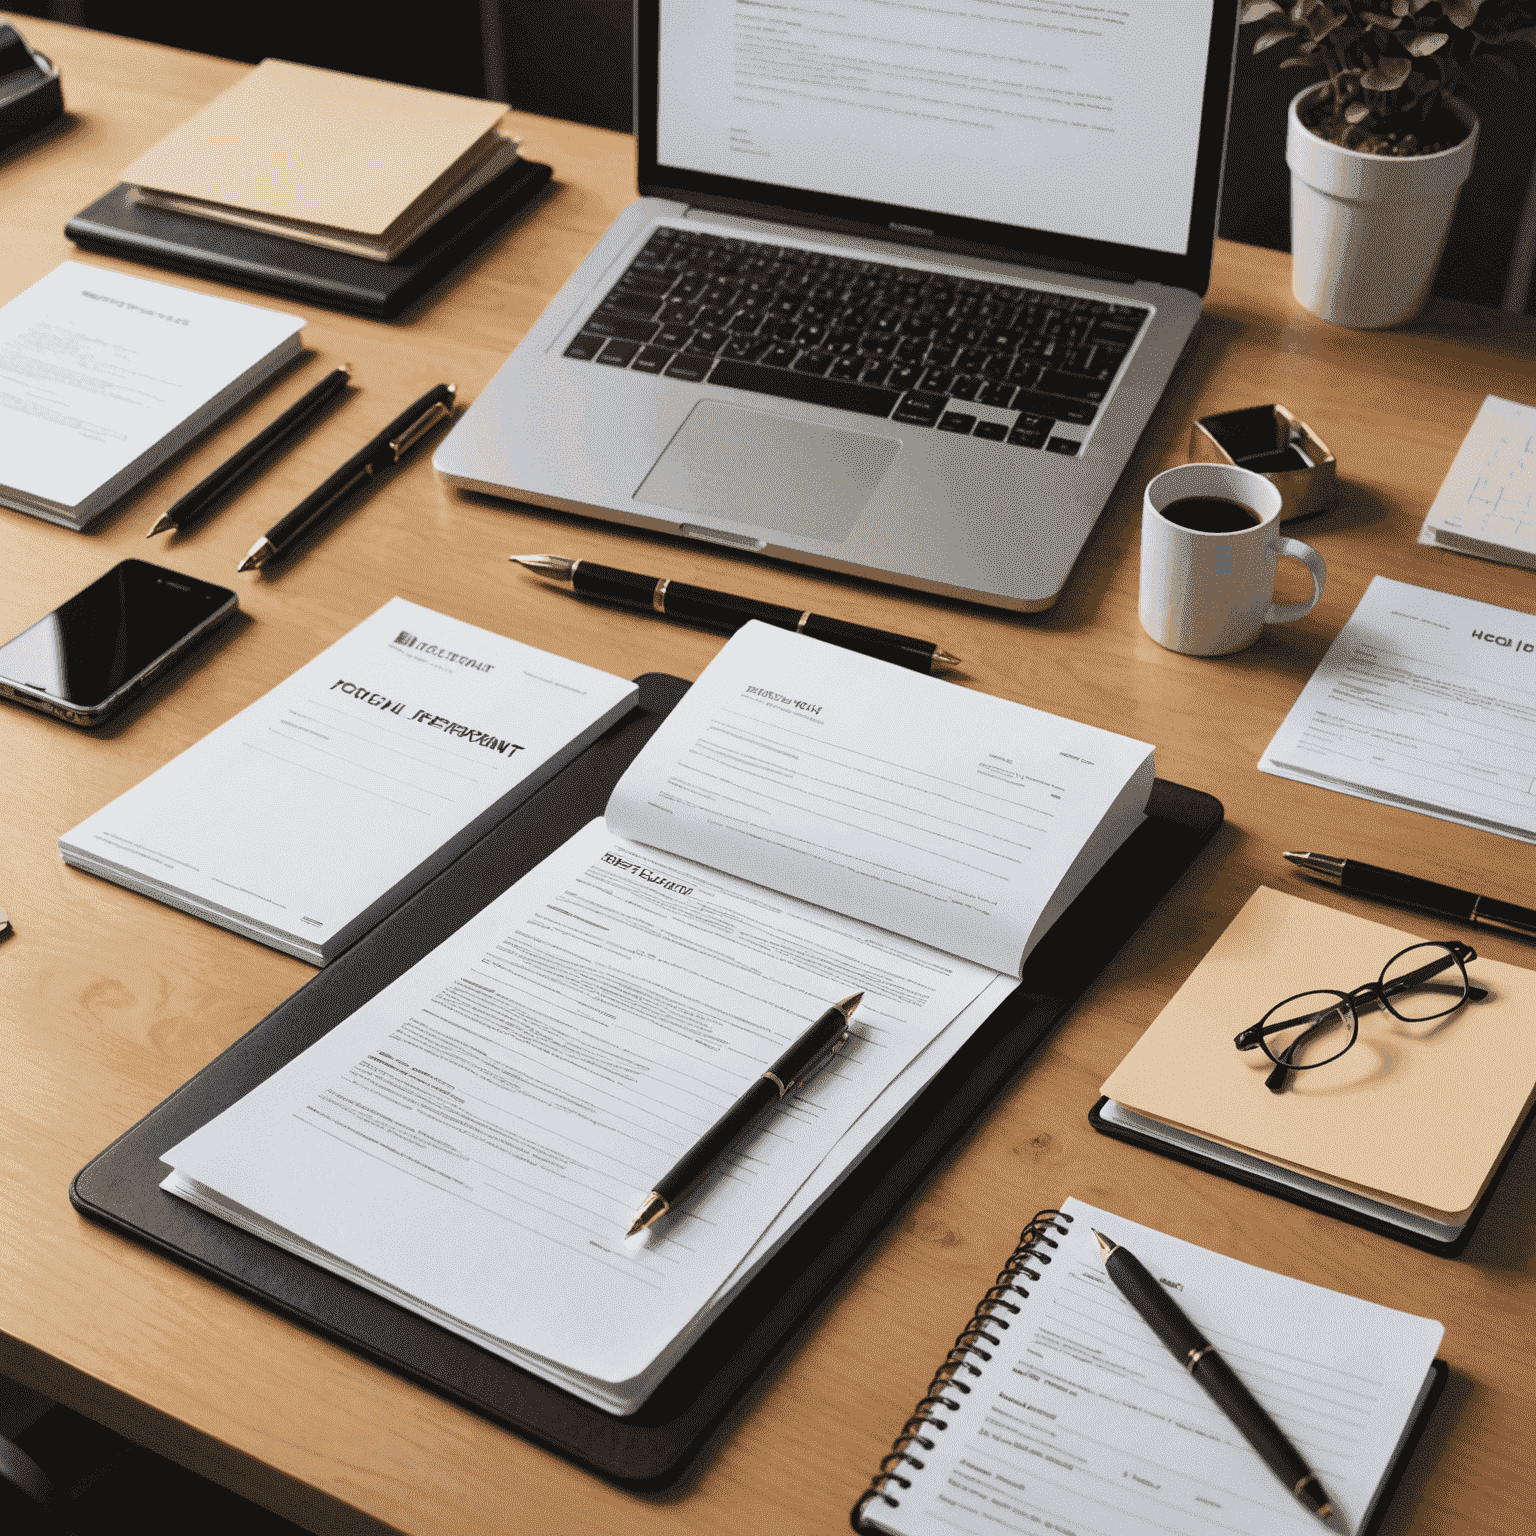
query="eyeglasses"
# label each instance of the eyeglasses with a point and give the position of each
(1418, 984)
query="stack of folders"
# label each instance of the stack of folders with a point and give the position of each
(104, 377)
(408, 179)
(1404, 1133)
(474, 1142)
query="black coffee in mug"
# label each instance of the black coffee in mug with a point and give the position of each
(1210, 514)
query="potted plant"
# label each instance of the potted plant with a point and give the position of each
(1379, 150)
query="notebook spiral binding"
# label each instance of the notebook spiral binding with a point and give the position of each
(971, 1341)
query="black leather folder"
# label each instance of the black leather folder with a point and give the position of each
(116, 225)
(651, 1448)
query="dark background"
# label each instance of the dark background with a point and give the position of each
(570, 58)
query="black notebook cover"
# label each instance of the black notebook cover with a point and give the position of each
(651, 1448)
(118, 226)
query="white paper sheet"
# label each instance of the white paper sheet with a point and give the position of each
(1082, 1422)
(1423, 700)
(1487, 503)
(99, 369)
(484, 1130)
(371, 764)
(967, 821)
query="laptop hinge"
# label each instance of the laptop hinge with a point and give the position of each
(909, 236)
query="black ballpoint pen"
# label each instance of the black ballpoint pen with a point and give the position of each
(720, 610)
(389, 447)
(1409, 891)
(806, 1057)
(1198, 1356)
(206, 493)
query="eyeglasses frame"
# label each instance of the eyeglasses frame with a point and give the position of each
(1373, 994)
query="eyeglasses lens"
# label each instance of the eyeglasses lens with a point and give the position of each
(1321, 1027)
(1424, 982)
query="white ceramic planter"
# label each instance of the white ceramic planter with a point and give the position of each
(1367, 230)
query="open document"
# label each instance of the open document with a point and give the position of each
(318, 809)
(475, 1140)
(1423, 700)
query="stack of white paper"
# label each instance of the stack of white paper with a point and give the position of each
(103, 377)
(319, 808)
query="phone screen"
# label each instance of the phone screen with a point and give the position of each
(103, 637)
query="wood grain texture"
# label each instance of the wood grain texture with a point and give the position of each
(109, 1001)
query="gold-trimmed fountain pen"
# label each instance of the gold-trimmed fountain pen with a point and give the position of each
(796, 1067)
(722, 610)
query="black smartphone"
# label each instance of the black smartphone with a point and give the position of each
(91, 655)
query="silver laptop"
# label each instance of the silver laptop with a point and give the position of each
(903, 286)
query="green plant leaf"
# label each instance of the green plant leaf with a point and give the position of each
(1462, 12)
(1425, 43)
(1387, 75)
(1296, 61)
(1501, 63)
(1269, 39)
(1376, 19)
(1257, 10)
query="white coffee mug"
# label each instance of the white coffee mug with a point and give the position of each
(1209, 594)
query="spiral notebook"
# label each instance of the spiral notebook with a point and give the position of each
(1058, 1410)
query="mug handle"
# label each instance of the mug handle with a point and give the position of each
(1288, 613)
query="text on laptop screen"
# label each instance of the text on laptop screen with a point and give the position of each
(1057, 115)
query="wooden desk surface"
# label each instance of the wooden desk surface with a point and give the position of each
(110, 1001)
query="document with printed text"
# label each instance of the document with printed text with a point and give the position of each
(1083, 1423)
(103, 376)
(476, 1139)
(1423, 700)
(321, 806)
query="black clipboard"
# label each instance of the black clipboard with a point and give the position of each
(651, 1448)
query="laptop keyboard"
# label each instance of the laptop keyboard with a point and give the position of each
(919, 348)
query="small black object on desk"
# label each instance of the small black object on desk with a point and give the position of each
(801, 1062)
(206, 494)
(389, 447)
(721, 610)
(1198, 1356)
(31, 93)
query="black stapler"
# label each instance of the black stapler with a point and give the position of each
(31, 95)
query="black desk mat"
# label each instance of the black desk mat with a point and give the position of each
(651, 1448)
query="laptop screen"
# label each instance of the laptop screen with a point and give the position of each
(1078, 120)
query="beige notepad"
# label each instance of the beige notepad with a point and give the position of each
(1413, 1116)
(322, 148)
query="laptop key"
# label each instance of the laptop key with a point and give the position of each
(995, 394)
(956, 421)
(918, 409)
(651, 360)
(964, 389)
(618, 354)
(689, 366)
(1080, 412)
(1020, 437)
(625, 330)
(674, 336)
(993, 431)
(806, 387)
(1066, 445)
(585, 346)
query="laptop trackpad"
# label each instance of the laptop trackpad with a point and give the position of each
(755, 467)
